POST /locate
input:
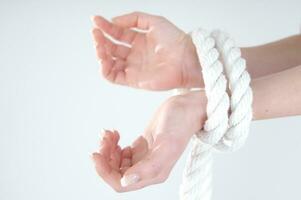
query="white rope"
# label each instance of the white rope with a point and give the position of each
(219, 132)
(241, 93)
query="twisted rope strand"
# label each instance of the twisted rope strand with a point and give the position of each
(220, 131)
(197, 175)
(241, 93)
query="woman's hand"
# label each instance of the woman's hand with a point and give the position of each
(161, 57)
(151, 157)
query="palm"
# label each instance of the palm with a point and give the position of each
(154, 60)
(112, 162)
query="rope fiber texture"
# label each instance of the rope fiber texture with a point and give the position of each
(228, 119)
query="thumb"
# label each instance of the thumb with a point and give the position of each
(138, 20)
(153, 168)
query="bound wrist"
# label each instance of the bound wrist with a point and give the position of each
(192, 66)
(197, 102)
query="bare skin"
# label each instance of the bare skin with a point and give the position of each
(152, 156)
(155, 60)
(277, 95)
(165, 58)
(273, 57)
(161, 58)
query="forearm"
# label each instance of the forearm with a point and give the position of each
(273, 57)
(277, 95)
(261, 60)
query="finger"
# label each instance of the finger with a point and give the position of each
(115, 150)
(126, 152)
(141, 174)
(116, 136)
(113, 71)
(126, 163)
(108, 136)
(101, 164)
(103, 136)
(139, 149)
(105, 47)
(115, 65)
(106, 144)
(126, 159)
(106, 67)
(100, 42)
(120, 78)
(117, 32)
(134, 20)
(153, 168)
(116, 158)
(109, 175)
(105, 150)
(111, 141)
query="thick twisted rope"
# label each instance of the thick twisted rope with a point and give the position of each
(219, 132)
(241, 93)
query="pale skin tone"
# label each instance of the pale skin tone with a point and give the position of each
(155, 152)
(163, 57)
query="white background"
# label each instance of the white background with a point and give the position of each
(53, 103)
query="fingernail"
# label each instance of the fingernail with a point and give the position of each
(129, 180)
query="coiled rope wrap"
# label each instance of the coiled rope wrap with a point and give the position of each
(220, 132)
(241, 92)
